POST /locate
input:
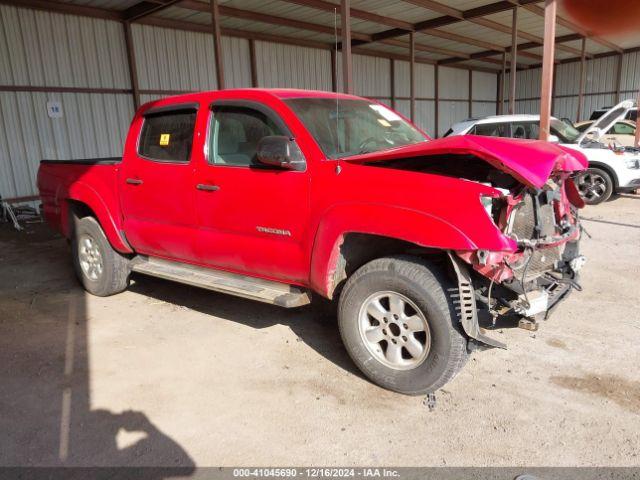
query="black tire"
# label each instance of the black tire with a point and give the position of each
(114, 276)
(595, 186)
(426, 286)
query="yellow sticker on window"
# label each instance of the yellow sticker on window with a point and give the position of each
(164, 139)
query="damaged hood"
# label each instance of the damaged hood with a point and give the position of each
(531, 162)
(606, 121)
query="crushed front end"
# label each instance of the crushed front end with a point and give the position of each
(531, 280)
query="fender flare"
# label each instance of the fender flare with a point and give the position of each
(398, 223)
(83, 193)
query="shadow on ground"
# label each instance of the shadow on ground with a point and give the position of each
(46, 417)
(315, 324)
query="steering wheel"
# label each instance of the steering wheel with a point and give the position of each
(366, 142)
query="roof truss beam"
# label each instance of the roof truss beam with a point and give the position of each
(520, 49)
(144, 8)
(572, 26)
(452, 17)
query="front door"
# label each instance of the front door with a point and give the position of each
(157, 185)
(252, 218)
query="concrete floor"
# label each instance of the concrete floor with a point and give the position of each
(165, 374)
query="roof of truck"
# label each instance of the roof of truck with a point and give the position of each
(280, 93)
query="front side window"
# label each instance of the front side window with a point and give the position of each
(167, 136)
(492, 130)
(527, 130)
(351, 127)
(623, 129)
(234, 134)
(565, 132)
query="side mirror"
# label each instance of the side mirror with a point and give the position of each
(282, 152)
(554, 139)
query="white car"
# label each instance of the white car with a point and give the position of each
(610, 169)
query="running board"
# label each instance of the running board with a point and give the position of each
(258, 289)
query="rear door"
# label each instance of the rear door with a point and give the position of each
(158, 185)
(252, 218)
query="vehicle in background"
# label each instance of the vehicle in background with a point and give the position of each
(632, 114)
(622, 132)
(610, 169)
(275, 195)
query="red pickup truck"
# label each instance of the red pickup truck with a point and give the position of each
(273, 195)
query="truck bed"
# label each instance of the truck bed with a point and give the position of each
(62, 180)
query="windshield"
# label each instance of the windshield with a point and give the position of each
(565, 132)
(352, 127)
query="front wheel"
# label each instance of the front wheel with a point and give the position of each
(595, 186)
(399, 325)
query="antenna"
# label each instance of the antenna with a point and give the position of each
(335, 36)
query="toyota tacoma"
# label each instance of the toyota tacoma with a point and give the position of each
(277, 195)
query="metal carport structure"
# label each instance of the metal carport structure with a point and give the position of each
(435, 62)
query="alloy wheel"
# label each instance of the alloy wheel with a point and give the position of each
(394, 330)
(90, 257)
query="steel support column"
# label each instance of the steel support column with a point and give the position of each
(217, 43)
(514, 63)
(392, 83)
(619, 76)
(550, 9)
(502, 82)
(131, 60)
(347, 68)
(470, 93)
(436, 100)
(253, 64)
(412, 75)
(638, 121)
(583, 76)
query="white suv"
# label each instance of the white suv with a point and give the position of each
(611, 168)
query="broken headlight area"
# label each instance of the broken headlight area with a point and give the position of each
(543, 269)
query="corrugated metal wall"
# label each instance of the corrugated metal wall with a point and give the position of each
(453, 88)
(600, 86)
(42, 49)
(49, 50)
(289, 66)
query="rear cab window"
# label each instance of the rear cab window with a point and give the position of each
(167, 134)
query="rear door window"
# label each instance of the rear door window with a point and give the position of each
(168, 136)
(492, 129)
(528, 130)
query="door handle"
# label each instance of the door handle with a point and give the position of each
(207, 188)
(134, 181)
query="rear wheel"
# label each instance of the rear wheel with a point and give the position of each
(595, 186)
(399, 325)
(101, 270)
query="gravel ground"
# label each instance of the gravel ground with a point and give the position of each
(165, 374)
